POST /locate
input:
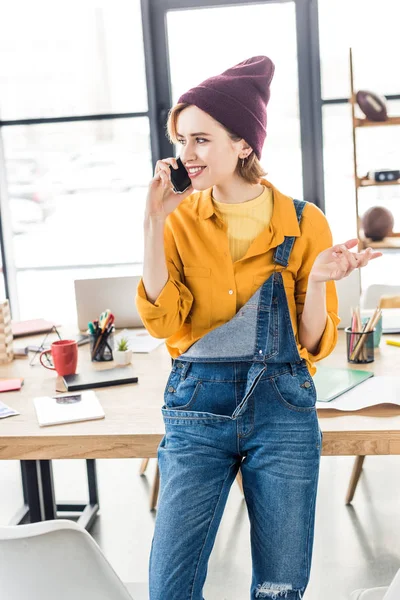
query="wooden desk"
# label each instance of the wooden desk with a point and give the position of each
(133, 426)
(373, 430)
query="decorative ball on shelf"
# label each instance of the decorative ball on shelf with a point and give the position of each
(372, 105)
(377, 223)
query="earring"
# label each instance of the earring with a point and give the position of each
(242, 163)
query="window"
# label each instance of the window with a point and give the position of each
(371, 29)
(76, 185)
(246, 36)
(57, 62)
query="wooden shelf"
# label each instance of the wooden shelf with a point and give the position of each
(367, 123)
(364, 182)
(392, 242)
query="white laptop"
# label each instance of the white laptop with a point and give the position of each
(94, 296)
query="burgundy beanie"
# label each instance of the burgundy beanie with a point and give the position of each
(238, 99)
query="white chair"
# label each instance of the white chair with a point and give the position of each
(380, 593)
(58, 559)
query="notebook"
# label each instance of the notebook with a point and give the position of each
(97, 379)
(55, 410)
(9, 385)
(331, 383)
(30, 327)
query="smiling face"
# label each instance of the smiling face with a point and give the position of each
(206, 149)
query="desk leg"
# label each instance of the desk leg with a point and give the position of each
(92, 481)
(49, 504)
(31, 488)
(90, 510)
(39, 495)
(355, 476)
(89, 514)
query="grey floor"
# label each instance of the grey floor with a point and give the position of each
(356, 546)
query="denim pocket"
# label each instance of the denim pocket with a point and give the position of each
(180, 394)
(297, 392)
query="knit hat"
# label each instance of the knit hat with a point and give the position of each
(238, 99)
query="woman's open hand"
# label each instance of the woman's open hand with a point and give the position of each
(338, 262)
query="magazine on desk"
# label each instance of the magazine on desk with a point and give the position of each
(71, 408)
(7, 411)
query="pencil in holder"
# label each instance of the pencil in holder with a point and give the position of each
(102, 346)
(360, 346)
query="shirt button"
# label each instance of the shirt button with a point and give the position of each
(260, 352)
(230, 292)
(171, 389)
(307, 384)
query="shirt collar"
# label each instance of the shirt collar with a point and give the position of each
(284, 219)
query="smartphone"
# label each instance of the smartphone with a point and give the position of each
(179, 178)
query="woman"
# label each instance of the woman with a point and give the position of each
(240, 280)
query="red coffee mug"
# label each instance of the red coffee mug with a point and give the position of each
(65, 357)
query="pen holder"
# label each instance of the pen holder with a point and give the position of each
(360, 346)
(102, 346)
(365, 316)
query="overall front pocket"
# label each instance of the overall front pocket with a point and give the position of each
(297, 392)
(181, 394)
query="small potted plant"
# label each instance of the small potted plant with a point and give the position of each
(123, 355)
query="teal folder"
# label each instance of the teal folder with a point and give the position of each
(331, 383)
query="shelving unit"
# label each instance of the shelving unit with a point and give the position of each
(392, 241)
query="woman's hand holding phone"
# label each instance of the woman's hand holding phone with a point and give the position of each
(161, 198)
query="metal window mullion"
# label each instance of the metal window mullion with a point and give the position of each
(157, 75)
(310, 101)
(72, 119)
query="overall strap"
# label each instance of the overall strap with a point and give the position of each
(282, 252)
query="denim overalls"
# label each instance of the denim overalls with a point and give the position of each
(241, 396)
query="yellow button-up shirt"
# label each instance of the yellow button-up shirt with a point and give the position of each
(206, 288)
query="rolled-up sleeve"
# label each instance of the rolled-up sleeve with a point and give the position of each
(167, 314)
(329, 338)
(315, 245)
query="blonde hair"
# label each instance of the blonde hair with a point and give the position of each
(252, 170)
